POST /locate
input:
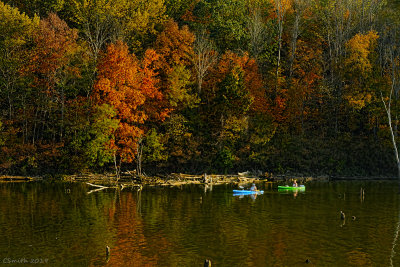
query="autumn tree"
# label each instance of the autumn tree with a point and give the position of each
(339, 22)
(232, 102)
(16, 34)
(128, 86)
(235, 100)
(260, 32)
(104, 21)
(224, 20)
(177, 9)
(37, 7)
(174, 47)
(281, 7)
(304, 95)
(53, 70)
(299, 8)
(359, 61)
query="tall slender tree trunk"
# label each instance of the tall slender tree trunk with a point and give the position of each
(139, 156)
(280, 13)
(388, 113)
(117, 167)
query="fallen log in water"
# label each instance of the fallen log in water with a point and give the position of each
(17, 178)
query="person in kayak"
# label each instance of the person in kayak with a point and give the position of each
(295, 183)
(253, 187)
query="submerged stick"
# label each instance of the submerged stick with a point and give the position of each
(96, 185)
(99, 188)
(95, 190)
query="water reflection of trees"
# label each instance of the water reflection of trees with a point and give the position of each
(396, 235)
(131, 242)
(43, 220)
(184, 226)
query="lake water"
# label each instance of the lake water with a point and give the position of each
(59, 224)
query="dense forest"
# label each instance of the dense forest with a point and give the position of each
(281, 86)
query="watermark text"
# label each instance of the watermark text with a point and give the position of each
(24, 261)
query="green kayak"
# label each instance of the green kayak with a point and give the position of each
(286, 187)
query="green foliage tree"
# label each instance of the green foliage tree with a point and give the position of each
(98, 148)
(180, 93)
(37, 7)
(104, 21)
(153, 148)
(226, 22)
(177, 9)
(233, 98)
(16, 35)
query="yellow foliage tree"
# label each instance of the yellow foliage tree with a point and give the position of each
(16, 29)
(360, 47)
(103, 21)
(359, 64)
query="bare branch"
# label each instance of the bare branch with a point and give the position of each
(204, 57)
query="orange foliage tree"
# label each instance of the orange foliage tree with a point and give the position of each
(129, 86)
(303, 90)
(174, 45)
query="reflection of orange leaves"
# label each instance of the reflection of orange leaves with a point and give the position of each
(131, 238)
(359, 258)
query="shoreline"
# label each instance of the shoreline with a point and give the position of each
(178, 179)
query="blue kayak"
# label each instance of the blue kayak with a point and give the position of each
(247, 192)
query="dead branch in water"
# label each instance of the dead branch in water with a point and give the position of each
(96, 185)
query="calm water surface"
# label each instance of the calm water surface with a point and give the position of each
(59, 224)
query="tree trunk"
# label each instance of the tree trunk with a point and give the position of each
(280, 13)
(388, 113)
(117, 167)
(204, 57)
(139, 157)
